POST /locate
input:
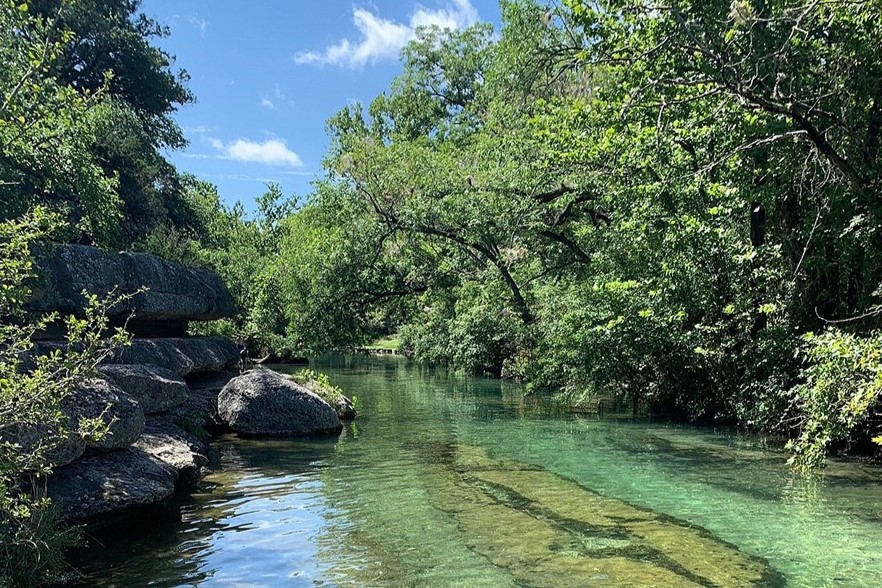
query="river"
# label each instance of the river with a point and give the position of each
(445, 480)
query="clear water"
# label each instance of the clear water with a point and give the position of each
(452, 481)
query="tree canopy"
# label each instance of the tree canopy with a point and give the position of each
(659, 203)
(87, 108)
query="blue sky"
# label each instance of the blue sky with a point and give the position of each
(268, 74)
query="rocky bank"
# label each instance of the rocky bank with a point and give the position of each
(158, 396)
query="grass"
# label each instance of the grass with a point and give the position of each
(391, 342)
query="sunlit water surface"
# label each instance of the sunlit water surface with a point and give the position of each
(452, 481)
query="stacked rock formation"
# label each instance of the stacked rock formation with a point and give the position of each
(142, 394)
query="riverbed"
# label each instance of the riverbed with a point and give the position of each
(445, 480)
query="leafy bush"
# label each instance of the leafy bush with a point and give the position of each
(319, 384)
(841, 396)
(31, 424)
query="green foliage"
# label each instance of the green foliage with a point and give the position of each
(86, 108)
(47, 128)
(243, 251)
(620, 198)
(757, 220)
(320, 385)
(466, 329)
(840, 395)
(32, 427)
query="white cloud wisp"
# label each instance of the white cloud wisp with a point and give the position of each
(269, 152)
(383, 39)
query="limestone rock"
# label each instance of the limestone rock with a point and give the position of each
(67, 448)
(91, 399)
(208, 354)
(199, 413)
(110, 484)
(175, 447)
(265, 403)
(345, 408)
(100, 399)
(174, 292)
(182, 356)
(156, 389)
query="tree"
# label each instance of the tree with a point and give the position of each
(112, 41)
(446, 165)
(771, 124)
(47, 128)
(89, 141)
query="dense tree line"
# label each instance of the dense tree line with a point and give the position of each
(87, 108)
(672, 204)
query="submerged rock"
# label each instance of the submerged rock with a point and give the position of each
(265, 403)
(546, 530)
(157, 389)
(175, 293)
(112, 483)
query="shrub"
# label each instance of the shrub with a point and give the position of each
(841, 393)
(31, 423)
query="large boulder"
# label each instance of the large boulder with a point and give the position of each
(156, 389)
(182, 356)
(265, 403)
(67, 445)
(174, 293)
(112, 483)
(92, 399)
(175, 447)
(100, 399)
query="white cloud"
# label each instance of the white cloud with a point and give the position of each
(383, 39)
(239, 178)
(299, 173)
(269, 152)
(278, 99)
(195, 20)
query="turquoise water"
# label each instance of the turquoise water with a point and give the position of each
(452, 481)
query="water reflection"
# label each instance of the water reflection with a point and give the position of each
(256, 516)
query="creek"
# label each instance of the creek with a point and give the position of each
(446, 480)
